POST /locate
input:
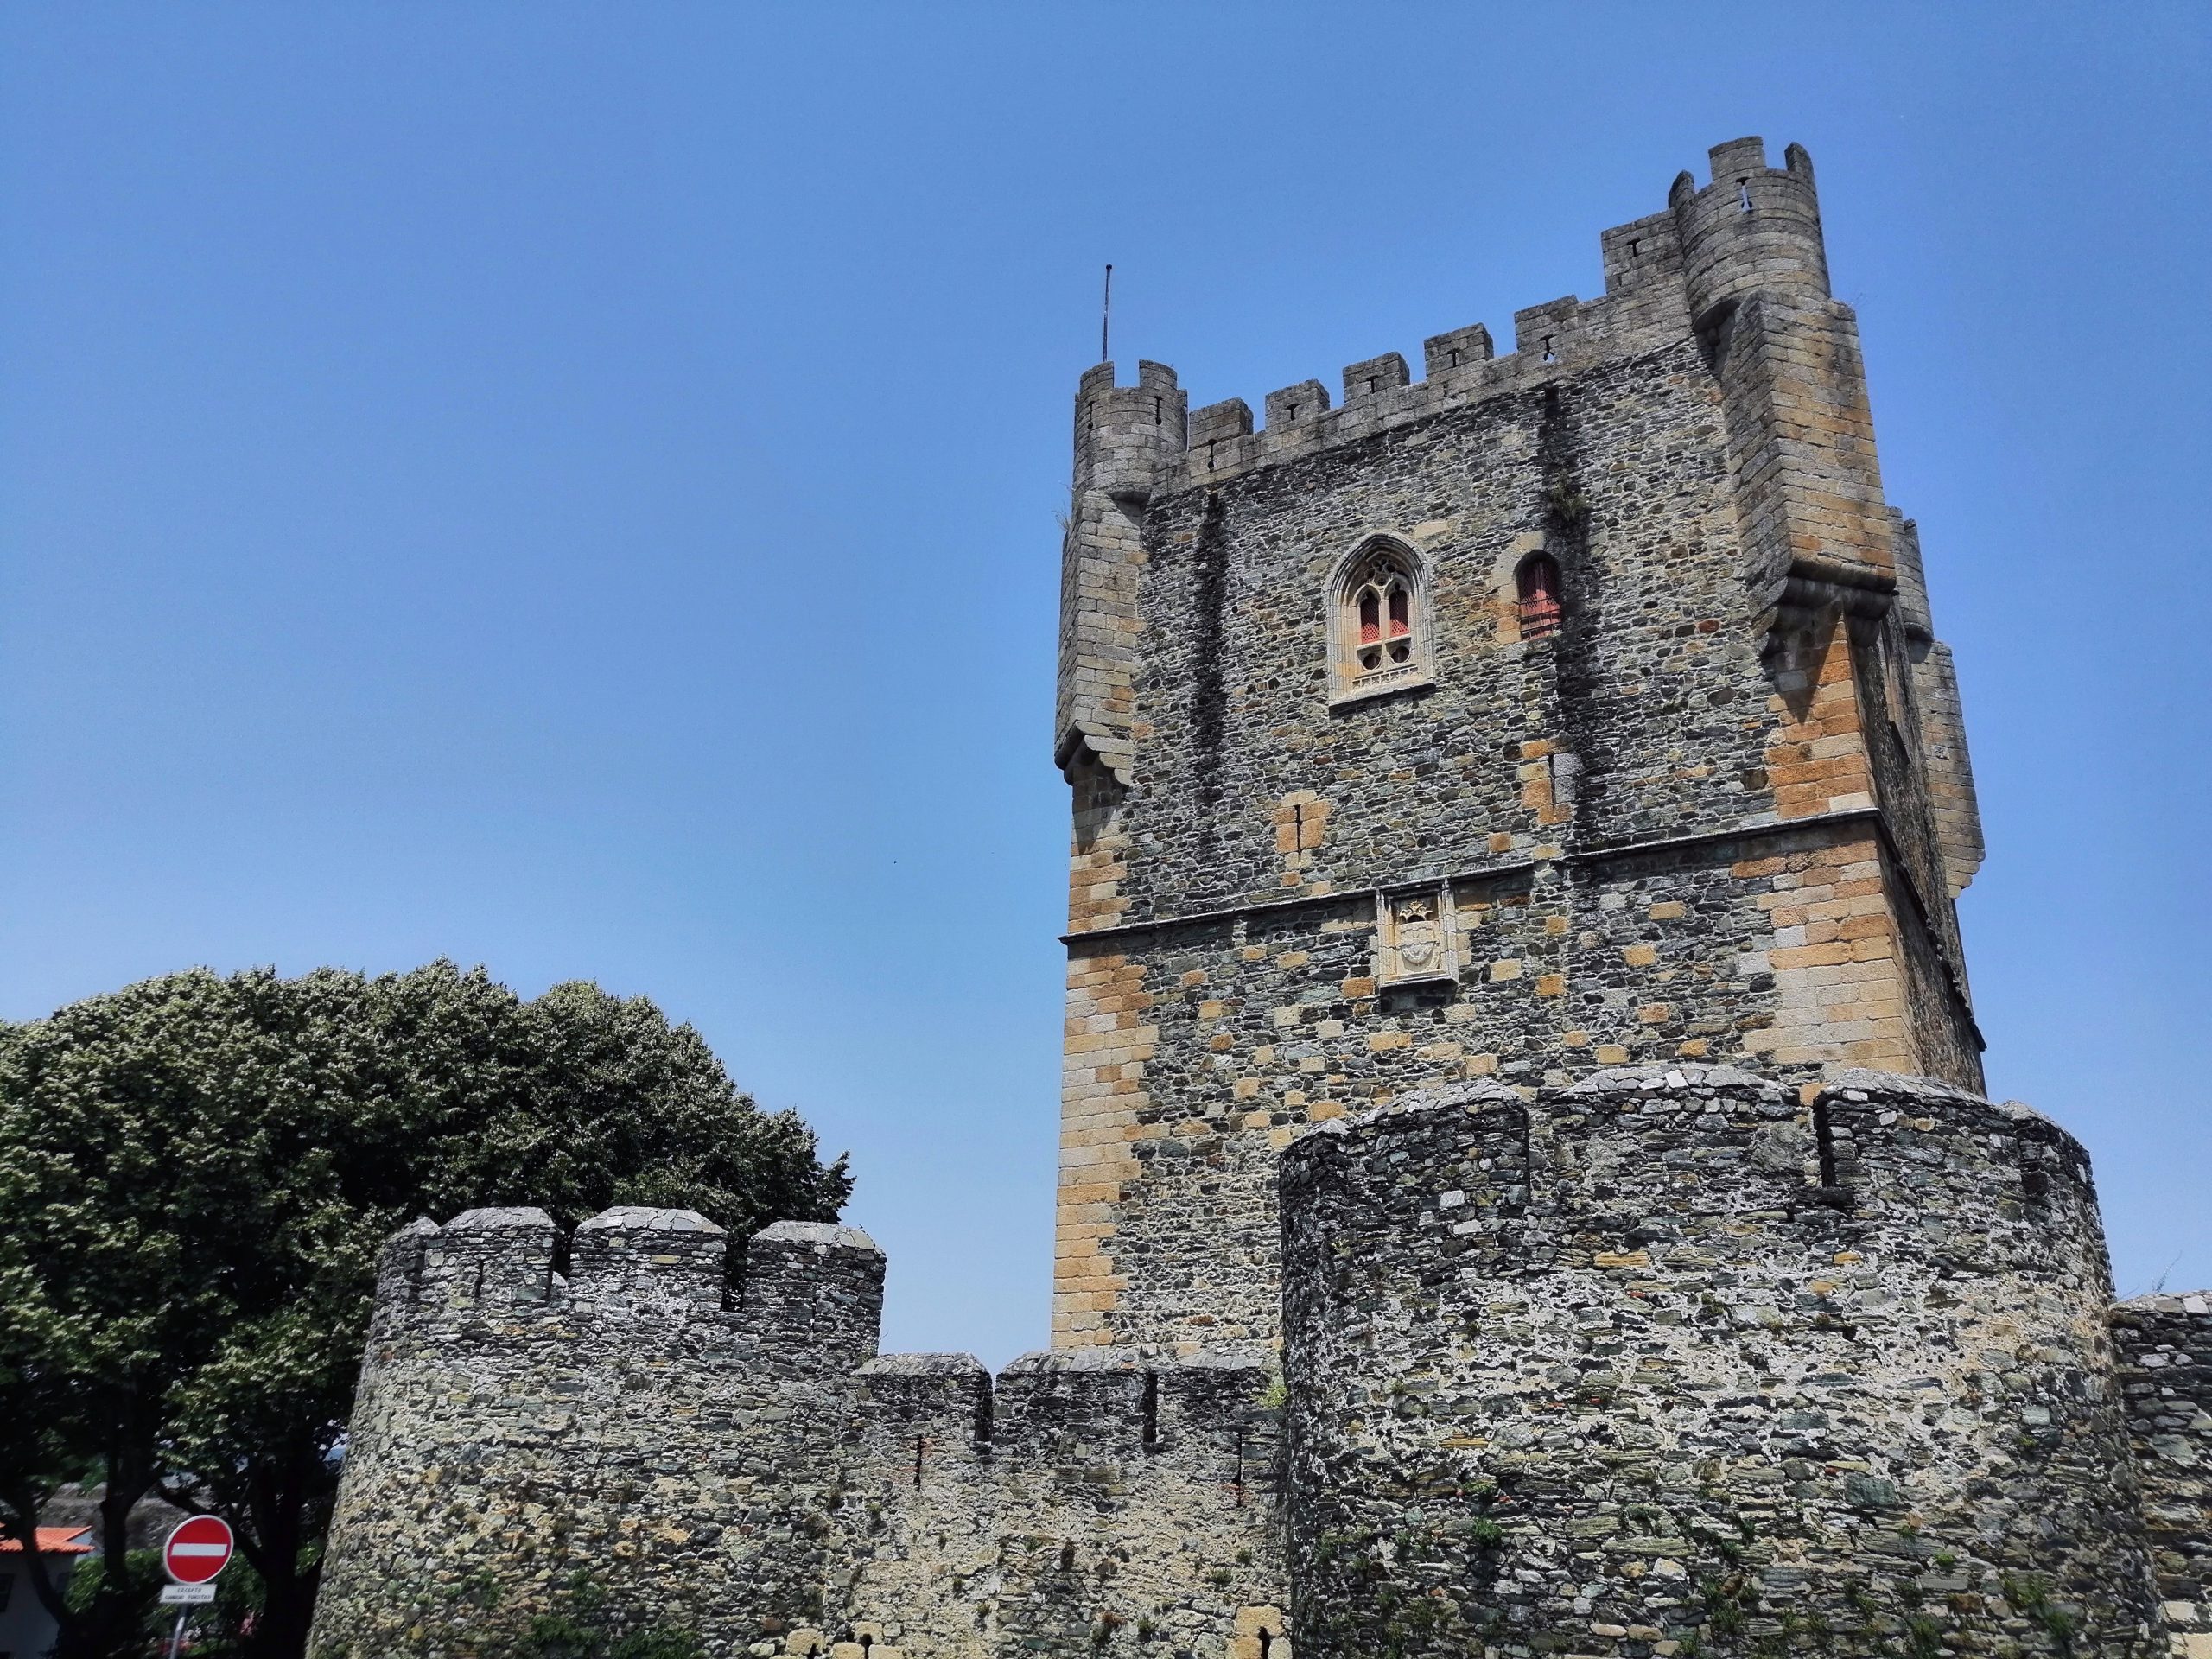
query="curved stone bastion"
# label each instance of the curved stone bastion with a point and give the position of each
(728, 1455)
(1667, 1356)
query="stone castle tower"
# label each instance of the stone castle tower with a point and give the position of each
(1643, 748)
(1524, 1188)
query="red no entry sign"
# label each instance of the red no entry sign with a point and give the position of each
(197, 1550)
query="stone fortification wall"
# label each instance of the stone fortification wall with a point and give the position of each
(738, 1460)
(1667, 1357)
(1717, 815)
(1664, 1361)
(2165, 1360)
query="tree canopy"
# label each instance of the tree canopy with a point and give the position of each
(195, 1175)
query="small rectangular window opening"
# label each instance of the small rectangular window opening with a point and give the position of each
(985, 1411)
(1744, 195)
(1537, 586)
(1824, 1142)
(1548, 358)
(1152, 1411)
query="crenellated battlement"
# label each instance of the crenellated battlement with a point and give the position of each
(1630, 1156)
(1553, 342)
(1123, 1402)
(487, 1262)
(648, 1261)
(1901, 1147)
(802, 1291)
(808, 1293)
(899, 1501)
(1752, 228)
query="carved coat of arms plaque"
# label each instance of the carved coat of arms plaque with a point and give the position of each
(1416, 939)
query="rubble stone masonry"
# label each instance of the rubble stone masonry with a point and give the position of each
(1667, 1355)
(1720, 814)
(2165, 1359)
(740, 1463)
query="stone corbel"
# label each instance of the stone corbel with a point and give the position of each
(1815, 588)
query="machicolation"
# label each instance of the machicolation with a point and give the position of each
(1524, 1185)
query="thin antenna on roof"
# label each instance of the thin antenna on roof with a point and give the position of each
(1106, 320)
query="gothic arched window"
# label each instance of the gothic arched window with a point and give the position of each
(1383, 592)
(1537, 584)
(1378, 630)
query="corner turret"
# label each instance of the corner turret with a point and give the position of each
(1124, 438)
(1754, 228)
(1122, 434)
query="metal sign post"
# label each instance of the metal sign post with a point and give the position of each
(198, 1549)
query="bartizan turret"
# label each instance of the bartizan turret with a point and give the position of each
(1752, 230)
(1124, 437)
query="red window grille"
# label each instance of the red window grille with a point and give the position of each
(1371, 618)
(1539, 585)
(1400, 623)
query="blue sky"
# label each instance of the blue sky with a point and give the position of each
(573, 488)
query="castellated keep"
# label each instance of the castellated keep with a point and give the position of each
(1524, 1188)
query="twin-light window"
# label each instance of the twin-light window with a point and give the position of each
(1384, 600)
(1378, 621)
(1381, 624)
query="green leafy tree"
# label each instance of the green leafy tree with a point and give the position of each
(195, 1175)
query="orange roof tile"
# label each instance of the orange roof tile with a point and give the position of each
(52, 1541)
